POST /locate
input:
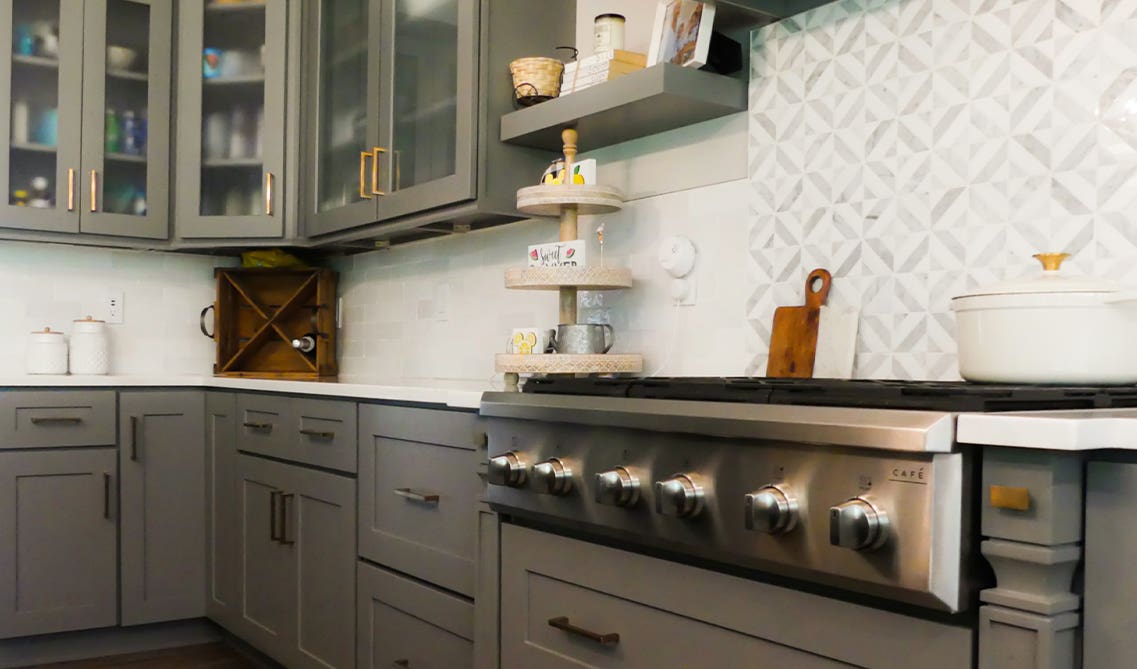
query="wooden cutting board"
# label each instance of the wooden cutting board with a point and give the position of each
(793, 343)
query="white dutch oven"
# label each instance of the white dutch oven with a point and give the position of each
(1051, 329)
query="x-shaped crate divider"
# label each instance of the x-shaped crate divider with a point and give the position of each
(270, 322)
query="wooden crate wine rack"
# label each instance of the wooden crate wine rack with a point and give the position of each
(259, 312)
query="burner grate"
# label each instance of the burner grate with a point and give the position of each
(876, 394)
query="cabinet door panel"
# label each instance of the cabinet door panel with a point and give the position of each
(341, 114)
(126, 118)
(268, 570)
(320, 510)
(41, 75)
(57, 541)
(222, 517)
(163, 533)
(231, 119)
(428, 112)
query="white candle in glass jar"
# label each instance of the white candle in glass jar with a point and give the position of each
(608, 32)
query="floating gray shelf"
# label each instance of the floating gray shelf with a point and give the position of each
(646, 102)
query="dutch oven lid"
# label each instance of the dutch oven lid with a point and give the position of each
(1052, 280)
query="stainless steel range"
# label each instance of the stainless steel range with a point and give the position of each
(855, 485)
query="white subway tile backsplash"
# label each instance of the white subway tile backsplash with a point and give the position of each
(51, 285)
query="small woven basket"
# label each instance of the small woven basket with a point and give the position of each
(536, 79)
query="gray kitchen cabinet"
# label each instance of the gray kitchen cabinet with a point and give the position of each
(402, 108)
(568, 603)
(222, 516)
(1111, 549)
(418, 493)
(230, 146)
(57, 418)
(64, 122)
(321, 433)
(403, 623)
(58, 539)
(298, 565)
(162, 493)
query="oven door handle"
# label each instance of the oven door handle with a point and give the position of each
(604, 639)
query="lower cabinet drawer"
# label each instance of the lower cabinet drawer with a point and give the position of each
(406, 624)
(57, 418)
(569, 603)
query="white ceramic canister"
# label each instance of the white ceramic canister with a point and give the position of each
(90, 348)
(47, 352)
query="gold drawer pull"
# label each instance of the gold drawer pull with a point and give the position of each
(258, 426)
(607, 639)
(56, 420)
(416, 496)
(317, 434)
(1007, 497)
(363, 194)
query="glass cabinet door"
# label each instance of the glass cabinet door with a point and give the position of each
(126, 119)
(341, 112)
(231, 118)
(41, 70)
(428, 112)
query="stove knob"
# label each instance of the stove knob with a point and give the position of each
(771, 510)
(507, 470)
(858, 524)
(552, 477)
(680, 496)
(617, 487)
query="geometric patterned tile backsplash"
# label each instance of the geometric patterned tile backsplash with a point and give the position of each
(918, 148)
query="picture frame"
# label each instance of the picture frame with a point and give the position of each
(682, 33)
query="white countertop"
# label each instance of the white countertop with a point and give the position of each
(1077, 430)
(455, 394)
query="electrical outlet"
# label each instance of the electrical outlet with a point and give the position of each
(114, 306)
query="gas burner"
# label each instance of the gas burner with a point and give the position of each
(955, 396)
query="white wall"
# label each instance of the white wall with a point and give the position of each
(51, 285)
(439, 310)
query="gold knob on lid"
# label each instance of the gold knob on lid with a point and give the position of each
(1051, 261)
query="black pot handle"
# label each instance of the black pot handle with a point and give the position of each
(201, 322)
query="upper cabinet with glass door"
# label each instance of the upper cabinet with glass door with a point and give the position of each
(231, 116)
(41, 70)
(125, 176)
(401, 122)
(86, 121)
(391, 109)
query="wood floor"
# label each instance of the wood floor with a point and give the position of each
(210, 656)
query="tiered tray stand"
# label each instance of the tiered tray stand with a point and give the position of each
(567, 201)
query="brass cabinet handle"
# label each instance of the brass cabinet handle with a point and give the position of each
(284, 499)
(106, 495)
(273, 496)
(375, 170)
(562, 623)
(363, 174)
(414, 495)
(317, 434)
(134, 438)
(51, 420)
(70, 190)
(268, 193)
(258, 426)
(94, 188)
(1009, 497)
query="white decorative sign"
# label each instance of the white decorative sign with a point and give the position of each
(558, 254)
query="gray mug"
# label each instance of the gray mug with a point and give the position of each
(583, 338)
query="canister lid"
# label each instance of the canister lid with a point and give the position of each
(46, 331)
